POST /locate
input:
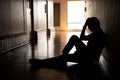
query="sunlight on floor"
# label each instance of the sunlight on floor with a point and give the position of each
(71, 63)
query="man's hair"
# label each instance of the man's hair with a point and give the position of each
(93, 21)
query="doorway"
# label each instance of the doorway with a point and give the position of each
(75, 14)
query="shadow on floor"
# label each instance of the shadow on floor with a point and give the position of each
(74, 72)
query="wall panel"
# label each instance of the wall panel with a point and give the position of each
(13, 28)
(11, 17)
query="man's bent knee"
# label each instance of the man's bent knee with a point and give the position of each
(74, 37)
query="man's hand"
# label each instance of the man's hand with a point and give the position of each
(84, 27)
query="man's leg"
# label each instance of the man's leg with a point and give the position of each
(73, 41)
(57, 62)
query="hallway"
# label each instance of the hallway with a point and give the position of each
(14, 64)
(19, 19)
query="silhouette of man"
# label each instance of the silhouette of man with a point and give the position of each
(84, 53)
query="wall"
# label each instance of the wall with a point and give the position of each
(109, 14)
(12, 17)
(13, 27)
(40, 17)
(50, 15)
(63, 14)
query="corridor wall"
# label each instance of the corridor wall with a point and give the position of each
(13, 24)
(107, 11)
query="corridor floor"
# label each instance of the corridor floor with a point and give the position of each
(14, 64)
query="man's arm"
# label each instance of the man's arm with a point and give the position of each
(83, 32)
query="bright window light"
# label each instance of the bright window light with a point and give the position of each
(76, 14)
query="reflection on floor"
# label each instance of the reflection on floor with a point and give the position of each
(14, 64)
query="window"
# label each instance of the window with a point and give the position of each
(76, 14)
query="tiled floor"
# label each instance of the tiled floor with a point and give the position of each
(14, 64)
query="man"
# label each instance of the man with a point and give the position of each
(84, 53)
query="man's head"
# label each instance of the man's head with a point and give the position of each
(93, 23)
